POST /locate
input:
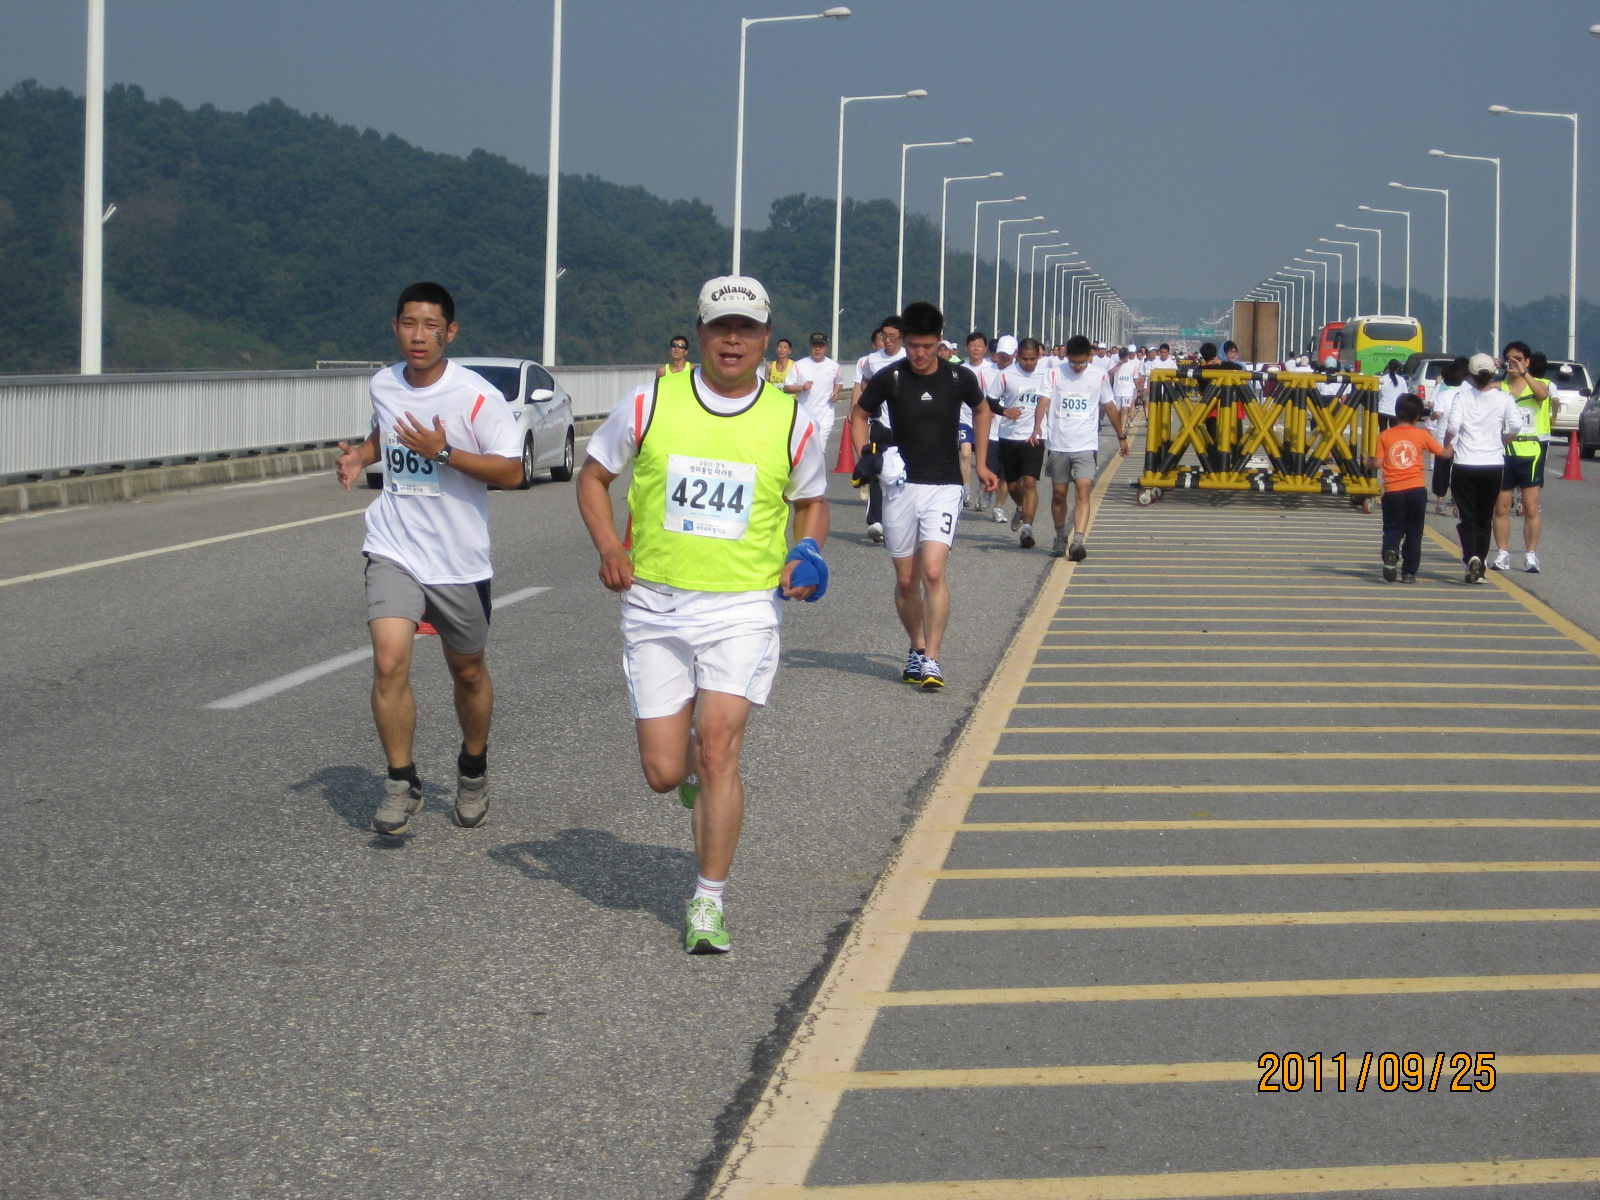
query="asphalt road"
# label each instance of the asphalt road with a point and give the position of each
(218, 983)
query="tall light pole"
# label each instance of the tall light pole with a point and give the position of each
(1338, 313)
(999, 258)
(1055, 315)
(1398, 212)
(900, 262)
(1279, 293)
(90, 336)
(1045, 293)
(1308, 313)
(944, 198)
(1016, 292)
(1075, 318)
(1033, 269)
(1572, 270)
(1379, 232)
(1444, 325)
(1356, 299)
(1317, 262)
(977, 212)
(738, 141)
(838, 196)
(1482, 158)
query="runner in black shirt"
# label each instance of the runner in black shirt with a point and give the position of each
(922, 478)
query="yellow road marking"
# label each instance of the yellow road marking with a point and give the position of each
(1122, 1075)
(1501, 686)
(1206, 870)
(1451, 705)
(1478, 756)
(1421, 916)
(1432, 651)
(1453, 730)
(1195, 1185)
(1272, 789)
(1207, 608)
(1322, 623)
(1171, 664)
(1311, 823)
(1254, 989)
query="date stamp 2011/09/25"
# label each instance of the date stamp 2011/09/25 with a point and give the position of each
(1389, 1071)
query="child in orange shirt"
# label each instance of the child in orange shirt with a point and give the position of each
(1405, 496)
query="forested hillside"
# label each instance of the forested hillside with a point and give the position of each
(271, 239)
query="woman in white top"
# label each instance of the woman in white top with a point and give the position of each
(1391, 386)
(1483, 421)
(1452, 376)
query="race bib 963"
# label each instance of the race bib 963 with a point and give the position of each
(407, 473)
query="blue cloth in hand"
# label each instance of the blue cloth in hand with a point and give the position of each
(811, 570)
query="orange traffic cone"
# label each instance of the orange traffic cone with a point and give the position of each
(847, 455)
(425, 629)
(1574, 466)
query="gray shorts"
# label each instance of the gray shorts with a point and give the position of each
(459, 611)
(1064, 466)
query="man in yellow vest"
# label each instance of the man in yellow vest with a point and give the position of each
(1524, 457)
(719, 457)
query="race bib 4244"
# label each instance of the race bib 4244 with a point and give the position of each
(709, 497)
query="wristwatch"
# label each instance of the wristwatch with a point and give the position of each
(443, 457)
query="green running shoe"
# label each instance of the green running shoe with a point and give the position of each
(689, 791)
(706, 934)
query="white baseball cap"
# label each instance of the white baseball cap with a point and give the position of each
(1480, 364)
(734, 296)
(1006, 345)
(1132, 349)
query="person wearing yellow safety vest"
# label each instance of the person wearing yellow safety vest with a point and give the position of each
(777, 371)
(1524, 457)
(677, 357)
(719, 457)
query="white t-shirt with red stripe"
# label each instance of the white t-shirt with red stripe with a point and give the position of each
(439, 536)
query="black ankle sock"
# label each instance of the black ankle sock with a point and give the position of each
(472, 765)
(408, 773)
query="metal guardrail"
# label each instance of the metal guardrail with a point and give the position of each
(72, 423)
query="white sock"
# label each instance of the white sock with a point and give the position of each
(709, 889)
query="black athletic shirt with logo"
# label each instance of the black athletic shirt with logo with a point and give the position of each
(925, 411)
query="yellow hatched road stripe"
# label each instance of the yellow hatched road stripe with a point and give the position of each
(1501, 686)
(1272, 620)
(1287, 824)
(1497, 610)
(1120, 1075)
(1170, 664)
(1201, 1184)
(1208, 870)
(1451, 705)
(1453, 730)
(1271, 789)
(1393, 916)
(1255, 989)
(1478, 756)
(1394, 652)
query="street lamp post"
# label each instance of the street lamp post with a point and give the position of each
(1033, 268)
(900, 262)
(1379, 232)
(838, 196)
(944, 197)
(1398, 212)
(977, 212)
(1314, 262)
(1338, 312)
(999, 258)
(90, 337)
(1572, 271)
(1055, 315)
(1074, 318)
(1280, 296)
(1308, 280)
(1444, 324)
(1496, 162)
(738, 141)
(1356, 299)
(1016, 292)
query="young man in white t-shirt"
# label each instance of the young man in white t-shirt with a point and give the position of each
(1005, 353)
(1163, 360)
(978, 363)
(718, 460)
(443, 434)
(1017, 391)
(814, 381)
(1068, 424)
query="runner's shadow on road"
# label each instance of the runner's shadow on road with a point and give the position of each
(607, 871)
(353, 794)
(874, 666)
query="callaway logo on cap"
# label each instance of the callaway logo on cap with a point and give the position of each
(734, 296)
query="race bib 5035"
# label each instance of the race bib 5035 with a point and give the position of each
(708, 497)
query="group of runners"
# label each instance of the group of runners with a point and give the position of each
(725, 454)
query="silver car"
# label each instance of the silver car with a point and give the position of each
(541, 408)
(1570, 382)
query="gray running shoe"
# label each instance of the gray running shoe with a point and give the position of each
(932, 676)
(1502, 561)
(1026, 540)
(1058, 548)
(1078, 552)
(401, 801)
(999, 515)
(1016, 519)
(472, 801)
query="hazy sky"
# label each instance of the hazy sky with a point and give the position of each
(1185, 148)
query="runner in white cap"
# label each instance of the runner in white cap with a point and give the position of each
(719, 458)
(815, 380)
(1005, 353)
(1016, 392)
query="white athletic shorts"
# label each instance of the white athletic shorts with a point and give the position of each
(914, 513)
(822, 418)
(676, 643)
